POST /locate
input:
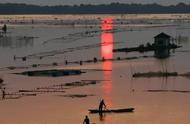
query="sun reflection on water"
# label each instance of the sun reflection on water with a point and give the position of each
(106, 53)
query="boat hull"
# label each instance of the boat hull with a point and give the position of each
(112, 110)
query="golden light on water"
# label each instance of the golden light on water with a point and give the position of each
(106, 53)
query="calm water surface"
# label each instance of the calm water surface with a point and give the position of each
(47, 43)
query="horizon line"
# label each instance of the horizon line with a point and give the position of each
(155, 3)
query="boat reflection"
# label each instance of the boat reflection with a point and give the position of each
(106, 53)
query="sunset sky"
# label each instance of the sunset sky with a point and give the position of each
(71, 2)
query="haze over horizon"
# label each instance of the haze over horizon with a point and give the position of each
(77, 2)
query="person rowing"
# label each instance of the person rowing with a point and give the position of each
(102, 105)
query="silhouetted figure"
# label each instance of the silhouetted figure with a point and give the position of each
(102, 105)
(95, 60)
(14, 57)
(66, 62)
(118, 58)
(80, 62)
(103, 59)
(1, 81)
(4, 28)
(3, 93)
(86, 120)
(23, 58)
(32, 21)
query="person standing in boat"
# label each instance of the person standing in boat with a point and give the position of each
(102, 105)
(86, 120)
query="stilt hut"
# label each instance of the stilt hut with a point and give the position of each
(162, 43)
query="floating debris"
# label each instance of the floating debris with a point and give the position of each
(51, 88)
(155, 74)
(78, 95)
(176, 91)
(42, 91)
(80, 83)
(11, 67)
(73, 84)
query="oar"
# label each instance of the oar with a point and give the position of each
(107, 109)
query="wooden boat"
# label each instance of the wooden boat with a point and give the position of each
(111, 110)
(52, 72)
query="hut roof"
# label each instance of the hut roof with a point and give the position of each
(162, 35)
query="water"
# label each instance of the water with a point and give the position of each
(56, 39)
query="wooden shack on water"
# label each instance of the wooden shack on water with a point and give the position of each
(162, 44)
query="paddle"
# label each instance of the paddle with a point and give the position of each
(106, 107)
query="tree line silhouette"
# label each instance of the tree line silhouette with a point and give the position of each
(112, 8)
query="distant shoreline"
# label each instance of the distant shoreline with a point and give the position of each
(62, 14)
(113, 8)
(92, 19)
